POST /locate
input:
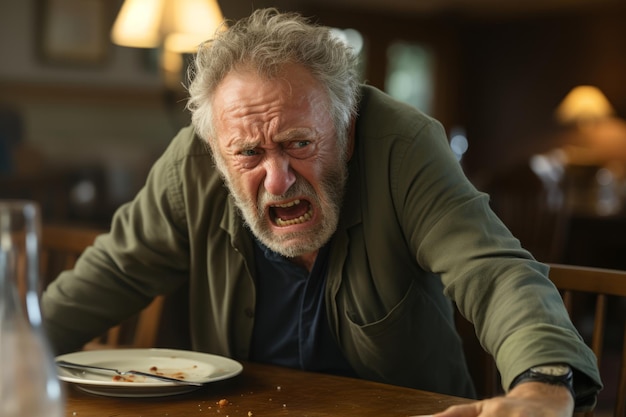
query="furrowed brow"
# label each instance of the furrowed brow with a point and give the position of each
(301, 133)
(242, 143)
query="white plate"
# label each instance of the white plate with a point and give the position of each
(192, 366)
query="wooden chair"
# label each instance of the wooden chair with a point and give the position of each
(601, 284)
(60, 248)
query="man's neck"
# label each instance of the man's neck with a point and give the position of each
(307, 260)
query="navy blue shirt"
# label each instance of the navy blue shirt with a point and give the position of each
(291, 328)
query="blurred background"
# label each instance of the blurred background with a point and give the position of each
(532, 94)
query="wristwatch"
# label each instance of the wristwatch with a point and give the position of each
(554, 374)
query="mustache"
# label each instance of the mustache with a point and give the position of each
(300, 188)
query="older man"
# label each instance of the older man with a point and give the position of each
(344, 226)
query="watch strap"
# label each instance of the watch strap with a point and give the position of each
(532, 375)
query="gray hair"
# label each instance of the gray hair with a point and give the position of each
(266, 41)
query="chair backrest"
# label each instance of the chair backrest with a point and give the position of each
(598, 283)
(61, 246)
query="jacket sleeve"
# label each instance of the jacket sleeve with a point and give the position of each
(144, 254)
(517, 312)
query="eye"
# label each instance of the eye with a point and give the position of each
(248, 152)
(301, 149)
(248, 158)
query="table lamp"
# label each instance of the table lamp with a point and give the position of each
(594, 146)
(175, 26)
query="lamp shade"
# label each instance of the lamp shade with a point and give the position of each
(138, 24)
(178, 25)
(188, 23)
(584, 103)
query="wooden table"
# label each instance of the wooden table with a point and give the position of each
(262, 390)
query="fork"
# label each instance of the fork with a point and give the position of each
(71, 365)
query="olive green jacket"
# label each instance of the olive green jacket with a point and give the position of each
(412, 229)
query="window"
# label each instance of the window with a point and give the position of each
(410, 74)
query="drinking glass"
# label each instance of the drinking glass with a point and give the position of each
(29, 385)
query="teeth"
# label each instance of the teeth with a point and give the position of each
(290, 204)
(304, 218)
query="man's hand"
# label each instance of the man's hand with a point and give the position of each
(528, 399)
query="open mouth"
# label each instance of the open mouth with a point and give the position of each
(291, 213)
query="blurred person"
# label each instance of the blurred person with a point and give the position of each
(322, 225)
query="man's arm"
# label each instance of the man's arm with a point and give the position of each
(144, 254)
(497, 285)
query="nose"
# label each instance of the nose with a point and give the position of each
(278, 174)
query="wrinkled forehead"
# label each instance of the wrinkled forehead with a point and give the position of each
(245, 87)
(250, 92)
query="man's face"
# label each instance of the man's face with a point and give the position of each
(277, 148)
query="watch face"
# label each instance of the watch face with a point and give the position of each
(553, 370)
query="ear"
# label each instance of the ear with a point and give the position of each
(351, 139)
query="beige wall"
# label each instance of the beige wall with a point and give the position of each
(109, 116)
